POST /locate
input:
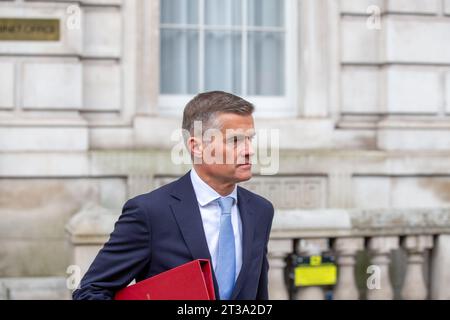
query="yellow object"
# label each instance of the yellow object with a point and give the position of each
(315, 260)
(315, 275)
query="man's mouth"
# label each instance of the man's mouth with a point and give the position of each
(247, 164)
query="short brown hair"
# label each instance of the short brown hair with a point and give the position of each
(205, 106)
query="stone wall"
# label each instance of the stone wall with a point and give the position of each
(80, 121)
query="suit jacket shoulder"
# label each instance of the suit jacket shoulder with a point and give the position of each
(257, 200)
(154, 199)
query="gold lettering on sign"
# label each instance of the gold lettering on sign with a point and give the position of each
(15, 29)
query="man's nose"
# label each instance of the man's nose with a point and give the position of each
(249, 151)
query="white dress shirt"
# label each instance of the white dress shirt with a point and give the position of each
(210, 212)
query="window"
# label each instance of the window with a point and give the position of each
(241, 46)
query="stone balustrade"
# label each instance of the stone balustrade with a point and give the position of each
(417, 237)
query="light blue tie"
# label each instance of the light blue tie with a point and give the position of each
(226, 256)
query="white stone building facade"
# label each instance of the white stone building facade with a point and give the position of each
(364, 121)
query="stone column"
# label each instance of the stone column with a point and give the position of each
(310, 247)
(315, 38)
(346, 249)
(381, 248)
(278, 249)
(414, 287)
(440, 271)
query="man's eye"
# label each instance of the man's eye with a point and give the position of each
(237, 140)
(233, 140)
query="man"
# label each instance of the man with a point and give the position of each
(202, 215)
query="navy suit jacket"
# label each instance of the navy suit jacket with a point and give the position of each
(163, 229)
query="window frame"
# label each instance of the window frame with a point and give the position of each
(265, 106)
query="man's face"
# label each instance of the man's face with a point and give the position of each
(226, 156)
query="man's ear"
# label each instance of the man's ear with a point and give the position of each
(195, 147)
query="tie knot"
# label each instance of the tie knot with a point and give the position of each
(225, 204)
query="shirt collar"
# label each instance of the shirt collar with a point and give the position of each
(205, 194)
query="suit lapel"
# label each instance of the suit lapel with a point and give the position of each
(187, 215)
(189, 220)
(247, 238)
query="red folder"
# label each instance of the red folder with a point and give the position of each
(190, 281)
